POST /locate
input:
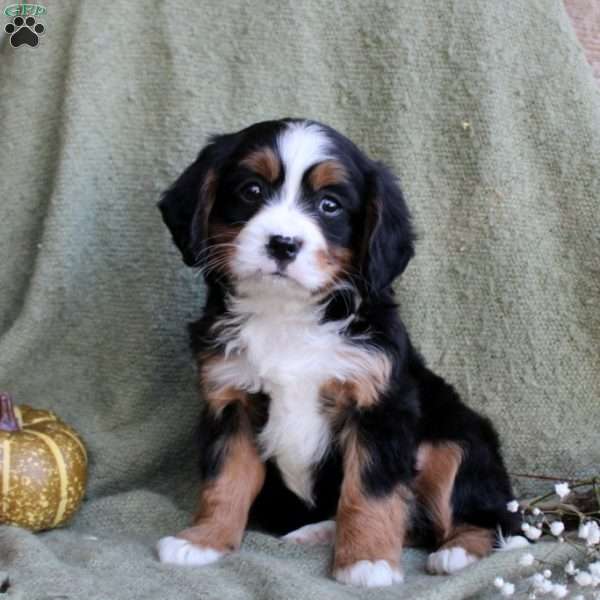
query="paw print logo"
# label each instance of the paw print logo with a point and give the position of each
(24, 31)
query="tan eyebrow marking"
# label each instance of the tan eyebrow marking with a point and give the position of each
(264, 162)
(329, 172)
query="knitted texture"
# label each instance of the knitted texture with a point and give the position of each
(488, 113)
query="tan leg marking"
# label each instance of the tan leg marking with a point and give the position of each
(225, 501)
(459, 546)
(466, 545)
(475, 540)
(438, 465)
(368, 528)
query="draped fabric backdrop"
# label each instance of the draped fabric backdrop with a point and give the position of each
(489, 113)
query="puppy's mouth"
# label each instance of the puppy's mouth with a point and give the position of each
(280, 273)
(277, 277)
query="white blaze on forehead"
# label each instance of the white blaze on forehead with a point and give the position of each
(301, 146)
(288, 220)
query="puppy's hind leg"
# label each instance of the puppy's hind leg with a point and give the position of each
(467, 545)
(458, 547)
(466, 534)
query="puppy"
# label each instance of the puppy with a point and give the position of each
(321, 421)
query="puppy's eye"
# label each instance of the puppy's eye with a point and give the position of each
(251, 193)
(330, 206)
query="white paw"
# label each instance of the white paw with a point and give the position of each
(513, 542)
(367, 573)
(315, 533)
(176, 551)
(449, 560)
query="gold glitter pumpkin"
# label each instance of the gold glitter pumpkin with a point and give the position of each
(43, 467)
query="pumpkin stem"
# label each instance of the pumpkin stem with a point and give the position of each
(8, 420)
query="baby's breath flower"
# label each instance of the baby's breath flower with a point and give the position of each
(526, 560)
(498, 582)
(583, 578)
(508, 589)
(547, 573)
(556, 528)
(562, 490)
(546, 586)
(526, 526)
(512, 506)
(559, 590)
(536, 511)
(593, 536)
(541, 585)
(584, 529)
(533, 533)
(570, 568)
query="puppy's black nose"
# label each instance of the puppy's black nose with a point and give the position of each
(283, 249)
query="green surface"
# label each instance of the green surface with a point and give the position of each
(488, 112)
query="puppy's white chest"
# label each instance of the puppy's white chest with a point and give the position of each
(296, 436)
(282, 347)
(291, 359)
(283, 350)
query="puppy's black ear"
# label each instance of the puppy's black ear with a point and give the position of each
(186, 205)
(388, 243)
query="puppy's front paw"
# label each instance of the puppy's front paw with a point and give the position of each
(449, 560)
(176, 551)
(367, 573)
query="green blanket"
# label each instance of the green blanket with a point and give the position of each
(488, 112)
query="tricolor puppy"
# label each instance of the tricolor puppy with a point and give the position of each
(321, 421)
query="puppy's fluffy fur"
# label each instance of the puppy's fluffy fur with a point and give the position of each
(317, 406)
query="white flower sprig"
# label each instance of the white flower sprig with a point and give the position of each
(548, 515)
(570, 513)
(562, 490)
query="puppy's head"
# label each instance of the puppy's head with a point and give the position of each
(291, 201)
